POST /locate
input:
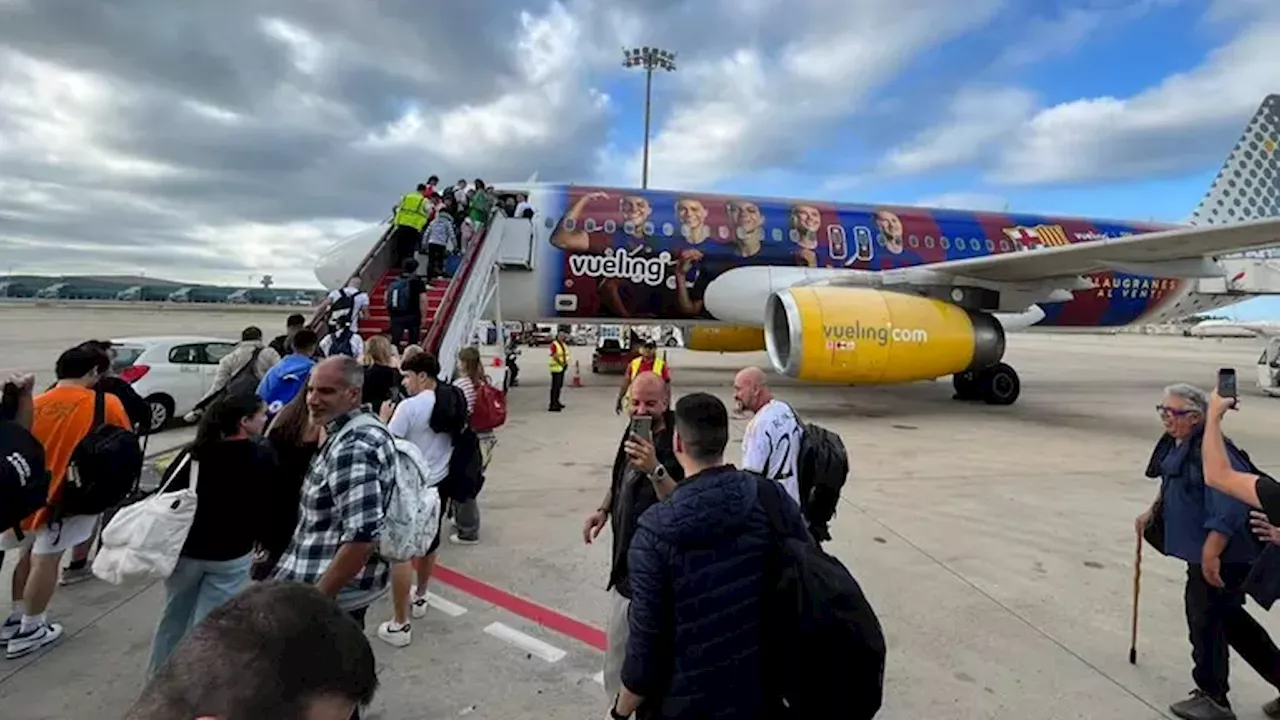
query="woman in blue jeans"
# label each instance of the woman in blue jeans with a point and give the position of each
(234, 468)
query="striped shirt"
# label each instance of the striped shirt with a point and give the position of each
(468, 389)
(441, 232)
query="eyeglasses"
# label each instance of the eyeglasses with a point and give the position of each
(1173, 412)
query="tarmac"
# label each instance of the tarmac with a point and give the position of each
(996, 544)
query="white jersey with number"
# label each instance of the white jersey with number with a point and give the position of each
(771, 446)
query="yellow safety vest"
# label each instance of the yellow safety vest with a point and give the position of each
(559, 357)
(633, 370)
(412, 211)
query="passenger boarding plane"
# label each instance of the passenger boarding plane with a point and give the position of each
(863, 294)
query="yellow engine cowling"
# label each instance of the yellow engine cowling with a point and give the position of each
(862, 336)
(724, 338)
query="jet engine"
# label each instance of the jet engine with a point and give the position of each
(724, 338)
(863, 336)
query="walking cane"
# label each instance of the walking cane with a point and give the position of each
(1137, 582)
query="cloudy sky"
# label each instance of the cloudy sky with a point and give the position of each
(218, 141)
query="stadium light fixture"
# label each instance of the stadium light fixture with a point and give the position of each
(650, 59)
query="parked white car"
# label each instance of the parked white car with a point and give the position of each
(171, 373)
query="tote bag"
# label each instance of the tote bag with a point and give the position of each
(143, 541)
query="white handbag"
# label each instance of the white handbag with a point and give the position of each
(143, 541)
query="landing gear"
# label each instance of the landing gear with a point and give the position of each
(994, 385)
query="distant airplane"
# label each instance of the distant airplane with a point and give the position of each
(872, 294)
(1233, 328)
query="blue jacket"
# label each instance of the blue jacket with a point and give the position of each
(1191, 508)
(696, 568)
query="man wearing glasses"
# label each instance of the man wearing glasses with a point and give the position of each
(1208, 530)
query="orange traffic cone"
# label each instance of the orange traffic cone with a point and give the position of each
(577, 375)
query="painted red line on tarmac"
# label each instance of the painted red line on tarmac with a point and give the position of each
(541, 614)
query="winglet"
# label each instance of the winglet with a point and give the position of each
(1248, 186)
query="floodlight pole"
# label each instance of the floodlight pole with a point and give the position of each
(649, 58)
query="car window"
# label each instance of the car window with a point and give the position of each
(214, 352)
(125, 355)
(185, 354)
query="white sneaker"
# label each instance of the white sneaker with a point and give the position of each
(457, 539)
(32, 640)
(10, 628)
(419, 607)
(395, 635)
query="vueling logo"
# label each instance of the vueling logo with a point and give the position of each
(845, 337)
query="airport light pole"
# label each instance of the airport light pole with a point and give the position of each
(649, 58)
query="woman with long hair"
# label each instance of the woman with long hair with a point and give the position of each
(295, 440)
(470, 377)
(380, 377)
(230, 467)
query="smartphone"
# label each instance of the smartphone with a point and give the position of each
(642, 426)
(1227, 382)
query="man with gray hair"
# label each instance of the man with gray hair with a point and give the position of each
(1209, 531)
(340, 518)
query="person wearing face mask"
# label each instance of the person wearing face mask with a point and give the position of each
(233, 467)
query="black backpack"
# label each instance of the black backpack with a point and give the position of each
(245, 381)
(104, 468)
(398, 297)
(824, 647)
(822, 466)
(24, 478)
(341, 344)
(342, 311)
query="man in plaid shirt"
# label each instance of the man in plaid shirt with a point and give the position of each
(334, 546)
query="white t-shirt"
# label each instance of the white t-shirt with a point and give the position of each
(360, 302)
(771, 445)
(412, 421)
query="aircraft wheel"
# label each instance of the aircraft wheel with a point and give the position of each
(1000, 385)
(966, 385)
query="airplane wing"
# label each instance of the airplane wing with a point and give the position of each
(1148, 249)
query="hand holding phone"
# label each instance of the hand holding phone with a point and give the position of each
(642, 427)
(1227, 383)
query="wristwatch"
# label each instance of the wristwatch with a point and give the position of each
(613, 711)
(659, 474)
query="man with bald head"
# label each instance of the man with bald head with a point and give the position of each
(340, 518)
(644, 472)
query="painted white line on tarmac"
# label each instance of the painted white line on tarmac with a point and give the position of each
(528, 643)
(452, 609)
(599, 678)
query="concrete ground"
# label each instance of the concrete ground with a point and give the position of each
(996, 544)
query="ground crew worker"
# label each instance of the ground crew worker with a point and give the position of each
(647, 362)
(558, 364)
(411, 218)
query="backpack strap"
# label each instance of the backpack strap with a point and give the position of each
(99, 409)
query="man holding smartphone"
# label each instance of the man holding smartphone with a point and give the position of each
(645, 470)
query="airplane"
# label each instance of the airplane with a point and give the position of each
(859, 294)
(1235, 329)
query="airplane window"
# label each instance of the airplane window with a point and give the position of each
(668, 229)
(1004, 245)
(928, 241)
(794, 235)
(724, 232)
(742, 233)
(648, 228)
(590, 225)
(777, 234)
(628, 227)
(991, 246)
(549, 223)
(945, 242)
(610, 226)
(570, 223)
(880, 239)
(914, 241)
(975, 245)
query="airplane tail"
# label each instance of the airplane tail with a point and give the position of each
(1248, 186)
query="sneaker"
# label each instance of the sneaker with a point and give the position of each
(419, 607)
(1202, 707)
(10, 628)
(1272, 709)
(28, 642)
(395, 635)
(457, 539)
(71, 576)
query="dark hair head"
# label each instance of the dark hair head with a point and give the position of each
(79, 361)
(703, 425)
(409, 266)
(305, 341)
(103, 347)
(433, 180)
(289, 426)
(269, 652)
(421, 187)
(251, 333)
(295, 320)
(423, 362)
(222, 419)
